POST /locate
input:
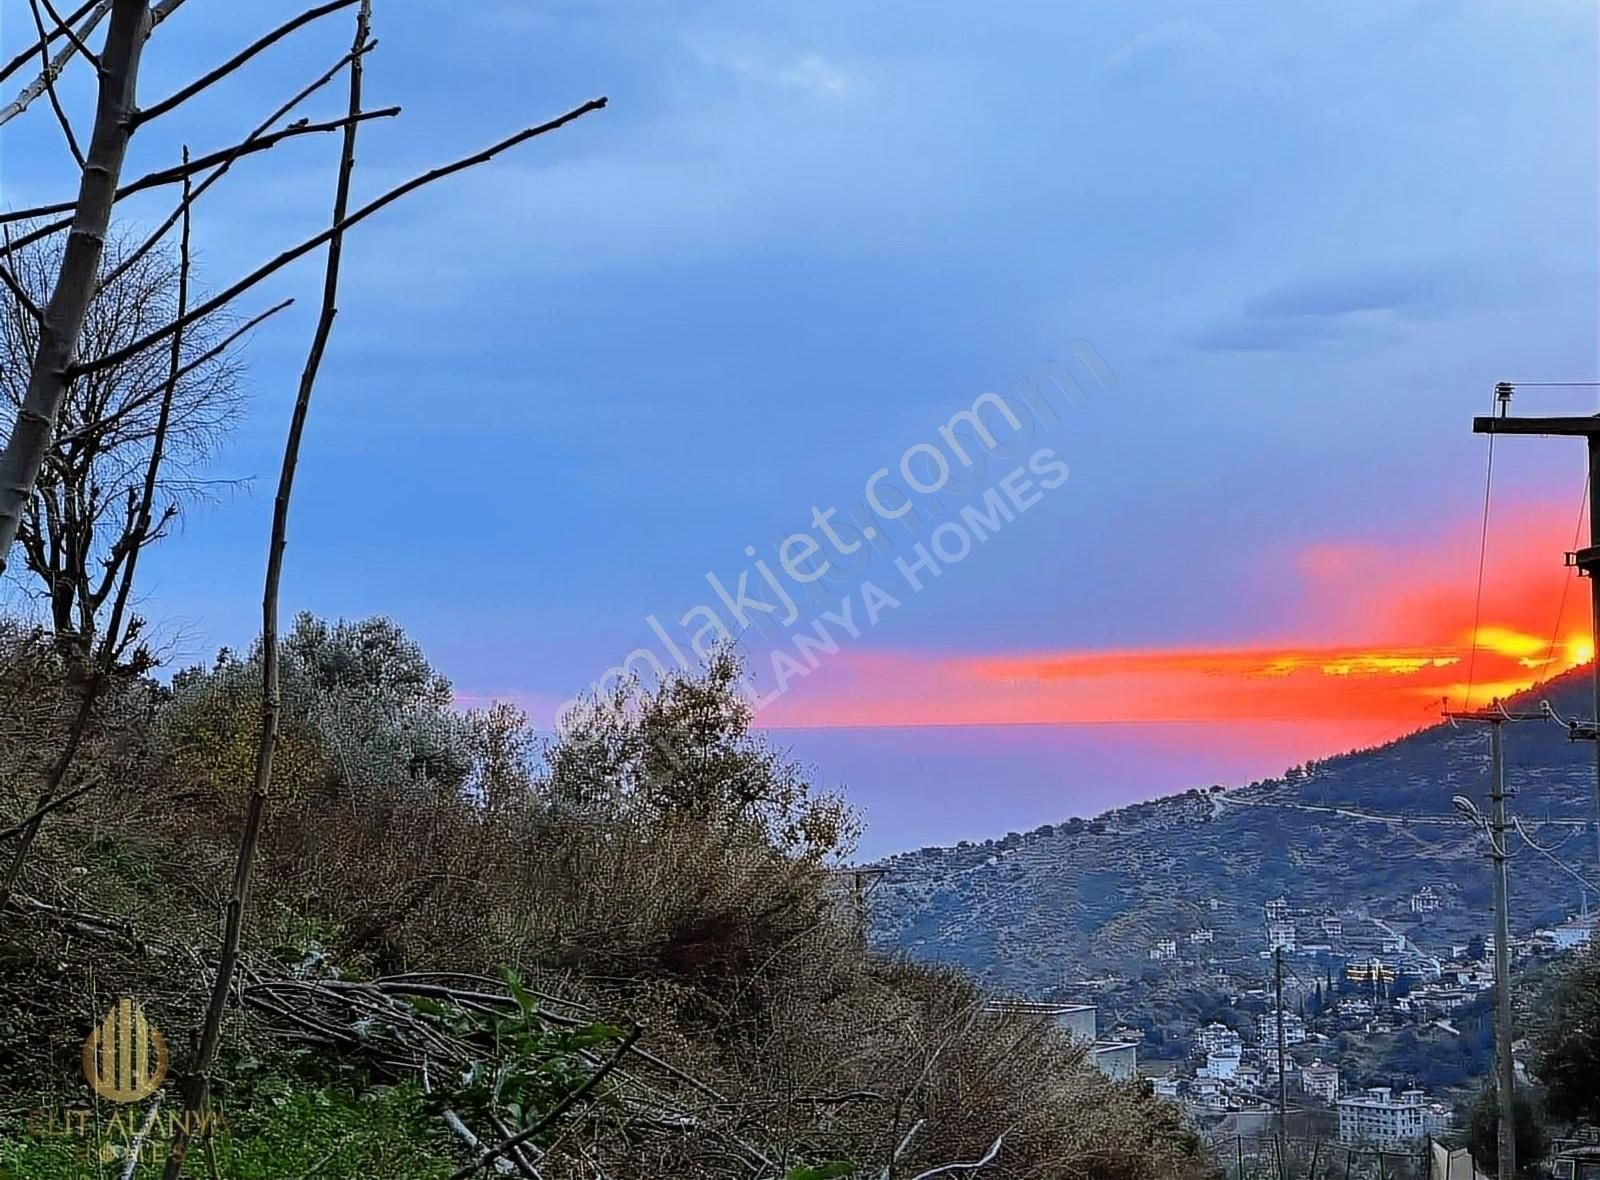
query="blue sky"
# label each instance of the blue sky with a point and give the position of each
(1305, 240)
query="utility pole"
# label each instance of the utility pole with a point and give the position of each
(1587, 560)
(1505, 1066)
(1283, 1081)
(1496, 827)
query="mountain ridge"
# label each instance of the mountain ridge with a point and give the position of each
(1355, 835)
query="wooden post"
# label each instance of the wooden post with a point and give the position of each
(1505, 1067)
(1587, 560)
(1495, 827)
(1283, 1081)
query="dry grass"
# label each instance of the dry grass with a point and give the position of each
(660, 865)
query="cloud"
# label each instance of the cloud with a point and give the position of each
(1397, 291)
(809, 73)
(1331, 307)
(1167, 50)
(1175, 38)
(1270, 335)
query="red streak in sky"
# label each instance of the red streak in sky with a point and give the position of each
(1386, 635)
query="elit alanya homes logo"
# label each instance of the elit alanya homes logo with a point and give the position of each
(124, 1061)
(125, 1057)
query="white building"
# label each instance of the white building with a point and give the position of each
(1426, 900)
(1079, 1021)
(1438, 1119)
(1196, 937)
(1294, 1029)
(1278, 910)
(1320, 1081)
(1281, 934)
(1222, 1066)
(1118, 1060)
(1377, 1117)
(1216, 1038)
(1573, 933)
(1166, 948)
(1332, 927)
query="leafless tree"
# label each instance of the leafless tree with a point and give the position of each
(80, 527)
(60, 358)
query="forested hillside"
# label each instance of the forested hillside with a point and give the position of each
(1355, 834)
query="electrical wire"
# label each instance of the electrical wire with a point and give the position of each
(1483, 553)
(1542, 851)
(1566, 585)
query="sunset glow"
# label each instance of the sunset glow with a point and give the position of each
(1387, 638)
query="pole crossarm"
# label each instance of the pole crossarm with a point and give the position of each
(1494, 715)
(1587, 426)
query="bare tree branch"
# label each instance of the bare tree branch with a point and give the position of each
(46, 808)
(112, 420)
(179, 172)
(20, 293)
(27, 54)
(65, 26)
(50, 84)
(138, 536)
(355, 218)
(198, 1083)
(550, 1117)
(946, 1169)
(80, 264)
(239, 59)
(38, 86)
(222, 169)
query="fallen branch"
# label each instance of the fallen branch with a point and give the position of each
(945, 1169)
(555, 1112)
(139, 1140)
(55, 804)
(464, 1133)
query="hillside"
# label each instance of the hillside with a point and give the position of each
(1073, 900)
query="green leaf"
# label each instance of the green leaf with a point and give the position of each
(428, 1007)
(828, 1171)
(525, 999)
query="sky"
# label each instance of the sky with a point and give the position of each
(1235, 278)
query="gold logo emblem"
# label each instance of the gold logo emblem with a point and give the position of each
(125, 1058)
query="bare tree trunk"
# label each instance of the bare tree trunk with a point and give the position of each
(80, 266)
(199, 1081)
(111, 641)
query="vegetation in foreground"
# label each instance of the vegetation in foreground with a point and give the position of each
(454, 930)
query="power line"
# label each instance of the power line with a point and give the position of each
(1551, 857)
(1503, 397)
(1566, 584)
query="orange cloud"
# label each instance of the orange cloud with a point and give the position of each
(1387, 636)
